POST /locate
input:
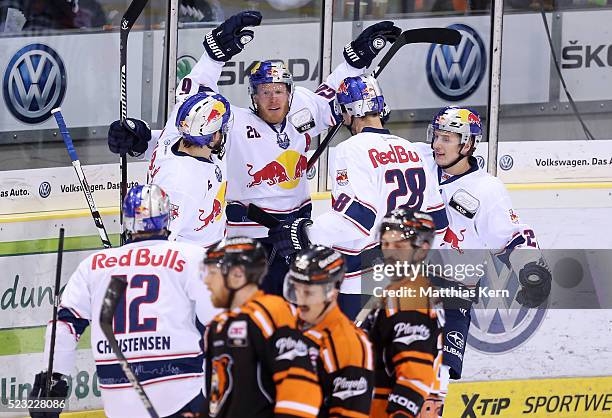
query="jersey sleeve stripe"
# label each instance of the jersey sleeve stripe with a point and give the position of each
(362, 214)
(340, 412)
(327, 362)
(290, 406)
(332, 347)
(416, 383)
(368, 352)
(262, 323)
(414, 356)
(439, 217)
(267, 313)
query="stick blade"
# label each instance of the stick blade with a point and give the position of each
(114, 292)
(257, 214)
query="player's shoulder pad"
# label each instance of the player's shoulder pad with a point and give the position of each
(269, 313)
(350, 345)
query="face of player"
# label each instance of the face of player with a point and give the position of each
(446, 146)
(348, 122)
(396, 248)
(272, 100)
(311, 302)
(219, 294)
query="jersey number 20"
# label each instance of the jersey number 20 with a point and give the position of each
(124, 317)
(409, 182)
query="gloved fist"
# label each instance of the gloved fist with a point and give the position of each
(57, 390)
(230, 37)
(130, 138)
(361, 52)
(290, 237)
(535, 279)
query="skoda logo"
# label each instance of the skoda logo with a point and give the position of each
(34, 83)
(480, 160)
(455, 72)
(44, 190)
(501, 324)
(506, 162)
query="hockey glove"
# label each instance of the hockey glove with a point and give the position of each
(230, 37)
(361, 52)
(130, 138)
(289, 237)
(535, 279)
(58, 390)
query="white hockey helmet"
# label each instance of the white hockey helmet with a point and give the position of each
(146, 208)
(360, 96)
(460, 120)
(202, 115)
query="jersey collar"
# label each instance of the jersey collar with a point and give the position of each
(175, 151)
(473, 167)
(376, 130)
(333, 317)
(282, 125)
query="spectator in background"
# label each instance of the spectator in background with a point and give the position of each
(63, 14)
(11, 15)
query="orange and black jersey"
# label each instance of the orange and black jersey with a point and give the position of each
(345, 366)
(258, 364)
(405, 335)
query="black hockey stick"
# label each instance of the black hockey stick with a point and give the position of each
(57, 112)
(257, 214)
(129, 18)
(443, 36)
(114, 292)
(58, 276)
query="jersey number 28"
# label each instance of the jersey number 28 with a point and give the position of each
(411, 183)
(125, 315)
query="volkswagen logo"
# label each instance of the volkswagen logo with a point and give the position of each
(34, 83)
(480, 160)
(311, 173)
(506, 162)
(501, 324)
(44, 190)
(455, 71)
(184, 64)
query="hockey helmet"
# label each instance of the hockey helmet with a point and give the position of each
(265, 72)
(360, 96)
(146, 208)
(200, 116)
(314, 266)
(460, 120)
(239, 251)
(415, 226)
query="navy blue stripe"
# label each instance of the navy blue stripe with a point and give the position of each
(473, 167)
(439, 217)
(505, 255)
(111, 374)
(376, 130)
(79, 324)
(363, 260)
(361, 214)
(237, 212)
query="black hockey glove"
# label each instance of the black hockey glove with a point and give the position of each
(57, 391)
(535, 279)
(230, 37)
(361, 52)
(130, 138)
(289, 237)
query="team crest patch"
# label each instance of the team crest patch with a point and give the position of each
(282, 139)
(513, 217)
(174, 211)
(342, 177)
(218, 173)
(220, 383)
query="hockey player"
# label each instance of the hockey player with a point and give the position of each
(480, 217)
(406, 328)
(258, 363)
(344, 362)
(373, 173)
(267, 145)
(156, 323)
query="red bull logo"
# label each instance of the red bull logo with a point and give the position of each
(343, 89)
(214, 114)
(453, 239)
(472, 118)
(286, 171)
(217, 209)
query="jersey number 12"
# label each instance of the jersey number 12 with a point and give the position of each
(127, 318)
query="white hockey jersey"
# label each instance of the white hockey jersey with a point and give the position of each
(372, 174)
(479, 211)
(268, 163)
(196, 187)
(155, 324)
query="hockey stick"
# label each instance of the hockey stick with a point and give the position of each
(114, 292)
(443, 36)
(129, 18)
(257, 214)
(58, 275)
(57, 113)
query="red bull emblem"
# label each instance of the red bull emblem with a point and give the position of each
(272, 173)
(206, 220)
(472, 118)
(342, 177)
(453, 239)
(174, 211)
(343, 89)
(513, 217)
(300, 167)
(286, 171)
